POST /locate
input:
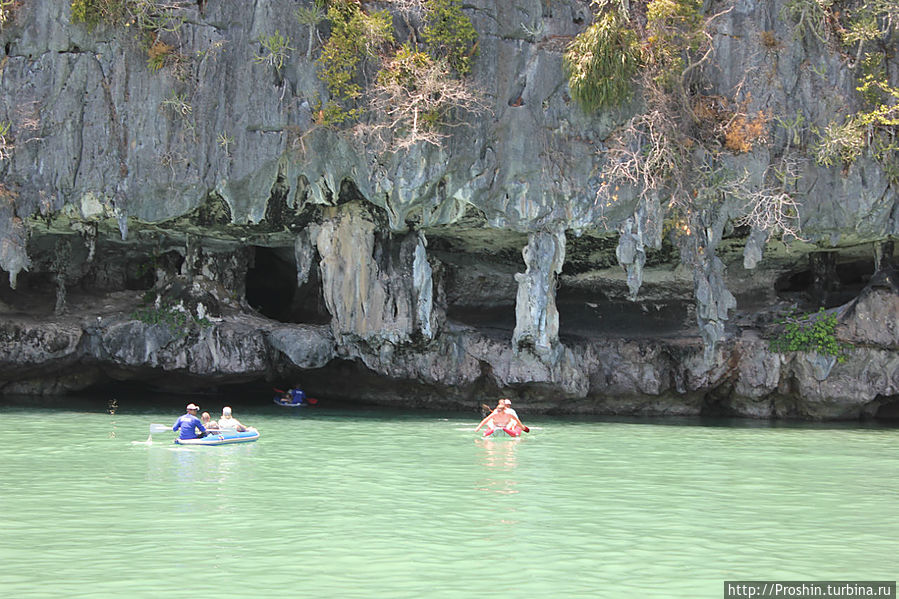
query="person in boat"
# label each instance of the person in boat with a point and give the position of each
(208, 422)
(189, 424)
(508, 404)
(485, 409)
(229, 422)
(501, 417)
(297, 395)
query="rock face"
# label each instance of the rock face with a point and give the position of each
(194, 220)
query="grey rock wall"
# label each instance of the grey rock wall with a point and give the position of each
(219, 154)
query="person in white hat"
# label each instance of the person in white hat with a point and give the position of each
(189, 424)
(503, 417)
(229, 422)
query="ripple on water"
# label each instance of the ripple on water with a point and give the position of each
(362, 505)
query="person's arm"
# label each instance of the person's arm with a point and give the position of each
(521, 424)
(177, 424)
(484, 421)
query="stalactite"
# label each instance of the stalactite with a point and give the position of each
(423, 286)
(536, 315)
(61, 258)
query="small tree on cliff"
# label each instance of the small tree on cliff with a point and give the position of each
(411, 100)
(400, 95)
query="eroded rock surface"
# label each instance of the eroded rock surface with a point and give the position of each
(498, 262)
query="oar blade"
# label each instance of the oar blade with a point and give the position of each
(159, 428)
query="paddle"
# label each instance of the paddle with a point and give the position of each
(489, 410)
(160, 428)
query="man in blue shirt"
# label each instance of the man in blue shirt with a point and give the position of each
(297, 395)
(189, 423)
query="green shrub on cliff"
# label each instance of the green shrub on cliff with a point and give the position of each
(866, 30)
(275, 50)
(145, 15)
(94, 12)
(411, 98)
(6, 141)
(449, 34)
(175, 317)
(7, 11)
(810, 333)
(674, 35)
(355, 37)
(404, 91)
(150, 19)
(601, 63)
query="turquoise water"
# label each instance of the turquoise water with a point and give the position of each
(346, 504)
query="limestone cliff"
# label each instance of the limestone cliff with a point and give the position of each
(198, 220)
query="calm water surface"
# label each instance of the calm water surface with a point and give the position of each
(348, 504)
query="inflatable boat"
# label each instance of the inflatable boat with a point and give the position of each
(297, 400)
(222, 438)
(290, 403)
(509, 431)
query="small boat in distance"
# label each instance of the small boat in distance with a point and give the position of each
(294, 398)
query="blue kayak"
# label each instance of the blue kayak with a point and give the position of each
(290, 404)
(296, 402)
(222, 438)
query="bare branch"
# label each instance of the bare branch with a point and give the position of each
(772, 208)
(409, 105)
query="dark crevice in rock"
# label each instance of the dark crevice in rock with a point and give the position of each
(213, 212)
(350, 193)
(34, 292)
(888, 409)
(496, 321)
(714, 403)
(588, 253)
(592, 313)
(114, 267)
(351, 382)
(826, 282)
(272, 290)
(277, 213)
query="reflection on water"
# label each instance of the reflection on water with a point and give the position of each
(499, 461)
(111, 407)
(217, 465)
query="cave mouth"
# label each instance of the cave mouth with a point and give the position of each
(828, 282)
(590, 313)
(271, 289)
(34, 292)
(496, 321)
(889, 409)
